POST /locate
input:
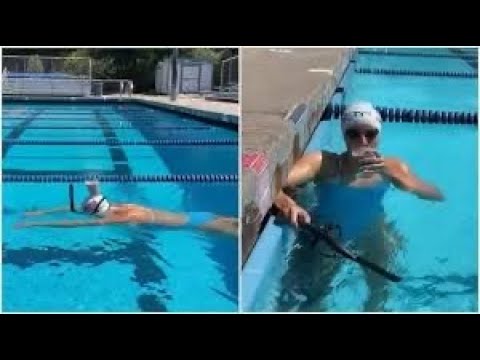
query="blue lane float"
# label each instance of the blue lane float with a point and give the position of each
(54, 117)
(122, 142)
(334, 111)
(88, 112)
(64, 178)
(417, 73)
(417, 54)
(121, 126)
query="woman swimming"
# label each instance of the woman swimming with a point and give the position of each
(97, 205)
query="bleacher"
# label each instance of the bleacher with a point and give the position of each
(50, 84)
(226, 94)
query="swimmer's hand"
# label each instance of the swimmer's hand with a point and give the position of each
(65, 223)
(289, 209)
(366, 161)
(371, 163)
(298, 215)
(47, 211)
(33, 213)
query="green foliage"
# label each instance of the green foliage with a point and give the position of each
(73, 65)
(34, 64)
(213, 55)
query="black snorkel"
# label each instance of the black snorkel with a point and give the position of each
(323, 232)
(71, 197)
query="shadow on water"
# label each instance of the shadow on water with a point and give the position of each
(219, 251)
(223, 252)
(9, 211)
(147, 273)
(225, 295)
(150, 303)
(428, 286)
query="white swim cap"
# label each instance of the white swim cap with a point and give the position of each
(363, 113)
(96, 205)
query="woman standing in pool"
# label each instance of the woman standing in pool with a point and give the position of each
(350, 188)
(97, 205)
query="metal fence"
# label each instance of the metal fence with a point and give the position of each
(20, 66)
(193, 76)
(119, 87)
(229, 74)
(57, 76)
(66, 87)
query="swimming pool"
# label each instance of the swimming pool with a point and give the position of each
(153, 157)
(437, 252)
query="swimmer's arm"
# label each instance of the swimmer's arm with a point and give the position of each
(306, 169)
(303, 171)
(48, 211)
(404, 179)
(66, 223)
(93, 187)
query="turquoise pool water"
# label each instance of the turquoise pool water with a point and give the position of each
(116, 268)
(436, 243)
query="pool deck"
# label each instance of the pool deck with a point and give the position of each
(284, 93)
(194, 102)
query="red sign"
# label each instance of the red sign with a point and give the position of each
(256, 161)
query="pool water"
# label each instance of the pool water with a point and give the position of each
(112, 122)
(118, 268)
(437, 245)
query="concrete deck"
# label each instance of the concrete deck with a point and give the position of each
(195, 102)
(217, 111)
(284, 93)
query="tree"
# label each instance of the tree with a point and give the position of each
(34, 64)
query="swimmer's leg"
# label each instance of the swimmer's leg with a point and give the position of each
(212, 222)
(198, 220)
(381, 248)
(307, 280)
(321, 285)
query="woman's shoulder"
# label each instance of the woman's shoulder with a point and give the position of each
(330, 154)
(125, 209)
(320, 156)
(327, 161)
(396, 164)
